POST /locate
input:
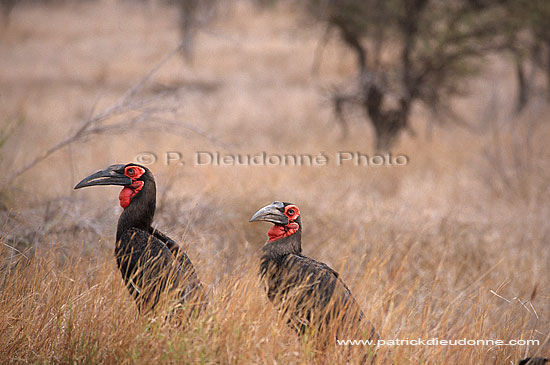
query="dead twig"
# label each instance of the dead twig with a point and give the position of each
(94, 124)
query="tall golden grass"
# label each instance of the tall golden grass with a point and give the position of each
(454, 245)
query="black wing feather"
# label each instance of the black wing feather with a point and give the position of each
(312, 294)
(178, 253)
(149, 268)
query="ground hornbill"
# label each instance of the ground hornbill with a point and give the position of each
(151, 263)
(308, 293)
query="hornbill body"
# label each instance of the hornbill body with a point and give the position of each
(152, 264)
(309, 293)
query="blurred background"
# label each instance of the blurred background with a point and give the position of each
(462, 88)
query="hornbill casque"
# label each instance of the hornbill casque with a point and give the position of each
(152, 265)
(309, 293)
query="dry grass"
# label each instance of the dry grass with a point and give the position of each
(438, 248)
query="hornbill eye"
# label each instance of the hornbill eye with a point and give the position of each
(292, 211)
(134, 172)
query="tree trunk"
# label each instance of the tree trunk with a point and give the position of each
(523, 86)
(354, 42)
(7, 7)
(548, 68)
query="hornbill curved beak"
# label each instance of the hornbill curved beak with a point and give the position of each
(271, 213)
(109, 176)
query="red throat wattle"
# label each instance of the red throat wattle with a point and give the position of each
(278, 231)
(128, 192)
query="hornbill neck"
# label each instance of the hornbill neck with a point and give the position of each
(141, 210)
(283, 246)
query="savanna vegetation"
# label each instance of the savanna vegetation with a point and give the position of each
(453, 244)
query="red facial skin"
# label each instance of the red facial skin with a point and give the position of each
(128, 192)
(279, 231)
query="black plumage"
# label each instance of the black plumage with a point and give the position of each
(309, 293)
(153, 266)
(534, 361)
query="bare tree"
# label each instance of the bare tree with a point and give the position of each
(409, 51)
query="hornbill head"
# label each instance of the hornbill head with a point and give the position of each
(132, 176)
(284, 216)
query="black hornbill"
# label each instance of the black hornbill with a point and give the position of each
(308, 292)
(150, 262)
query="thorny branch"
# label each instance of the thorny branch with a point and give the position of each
(94, 124)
